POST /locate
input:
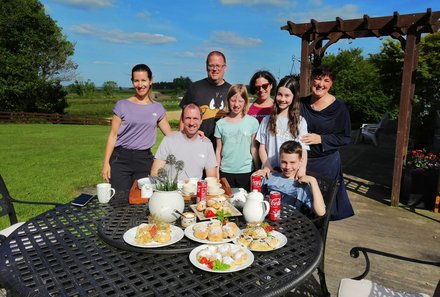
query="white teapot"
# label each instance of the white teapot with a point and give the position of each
(255, 208)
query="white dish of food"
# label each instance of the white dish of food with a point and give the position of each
(260, 245)
(239, 257)
(189, 232)
(129, 237)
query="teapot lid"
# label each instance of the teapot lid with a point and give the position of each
(255, 194)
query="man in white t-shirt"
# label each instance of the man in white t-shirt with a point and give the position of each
(197, 153)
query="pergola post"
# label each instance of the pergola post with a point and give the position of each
(404, 120)
(305, 68)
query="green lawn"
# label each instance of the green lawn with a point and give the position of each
(100, 105)
(50, 162)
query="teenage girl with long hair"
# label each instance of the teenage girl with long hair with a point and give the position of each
(283, 124)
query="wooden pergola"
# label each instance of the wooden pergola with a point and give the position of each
(407, 29)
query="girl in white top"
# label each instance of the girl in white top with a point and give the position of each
(284, 123)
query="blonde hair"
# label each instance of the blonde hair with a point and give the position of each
(242, 91)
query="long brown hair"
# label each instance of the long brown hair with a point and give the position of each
(290, 82)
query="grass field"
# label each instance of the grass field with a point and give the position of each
(54, 162)
(100, 105)
(50, 162)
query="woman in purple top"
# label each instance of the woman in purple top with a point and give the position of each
(133, 133)
(261, 84)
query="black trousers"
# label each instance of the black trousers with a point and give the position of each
(127, 165)
(238, 180)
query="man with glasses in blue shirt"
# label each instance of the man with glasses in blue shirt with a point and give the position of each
(210, 93)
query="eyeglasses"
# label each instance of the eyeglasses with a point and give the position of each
(263, 86)
(215, 67)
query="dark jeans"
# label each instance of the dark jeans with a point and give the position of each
(127, 165)
(238, 180)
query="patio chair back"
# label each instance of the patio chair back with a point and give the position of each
(329, 188)
(371, 131)
(363, 287)
(7, 203)
(6, 206)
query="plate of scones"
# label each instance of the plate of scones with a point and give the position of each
(259, 238)
(221, 258)
(213, 232)
(153, 235)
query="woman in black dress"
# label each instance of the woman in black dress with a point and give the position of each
(328, 122)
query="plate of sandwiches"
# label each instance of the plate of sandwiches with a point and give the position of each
(153, 235)
(257, 239)
(221, 258)
(212, 232)
(207, 209)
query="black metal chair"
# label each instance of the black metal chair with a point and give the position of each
(7, 208)
(362, 287)
(329, 188)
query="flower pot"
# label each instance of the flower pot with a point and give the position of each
(419, 188)
(164, 203)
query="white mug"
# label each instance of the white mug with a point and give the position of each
(146, 191)
(105, 192)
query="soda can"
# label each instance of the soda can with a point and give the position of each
(202, 190)
(256, 182)
(275, 205)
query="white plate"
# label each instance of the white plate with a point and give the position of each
(201, 216)
(219, 192)
(282, 240)
(176, 235)
(189, 232)
(193, 259)
(187, 194)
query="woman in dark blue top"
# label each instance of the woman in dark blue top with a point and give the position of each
(328, 122)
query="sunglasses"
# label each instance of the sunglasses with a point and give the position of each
(263, 86)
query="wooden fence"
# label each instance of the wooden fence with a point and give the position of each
(54, 118)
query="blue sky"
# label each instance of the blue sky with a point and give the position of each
(173, 37)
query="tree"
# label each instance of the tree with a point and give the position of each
(181, 83)
(389, 63)
(110, 87)
(358, 84)
(35, 58)
(82, 88)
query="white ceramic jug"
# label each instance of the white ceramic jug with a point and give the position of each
(164, 203)
(255, 208)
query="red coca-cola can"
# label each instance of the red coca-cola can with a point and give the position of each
(275, 205)
(202, 190)
(256, 182)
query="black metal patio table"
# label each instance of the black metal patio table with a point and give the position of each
(79, 251)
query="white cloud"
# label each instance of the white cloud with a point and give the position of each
(188, 54)
(144, 14)
(316, 2)
(102, 62)
(87, 3)
(234, 39)
(257, 2)
(324, 13)
(117, 36)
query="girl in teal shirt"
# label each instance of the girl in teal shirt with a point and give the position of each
(236, 150)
